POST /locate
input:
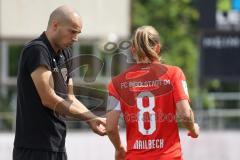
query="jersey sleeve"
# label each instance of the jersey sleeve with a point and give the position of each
(36, 56)
(113, 100)
(180, 89)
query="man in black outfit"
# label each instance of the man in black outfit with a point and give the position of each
(45, 91)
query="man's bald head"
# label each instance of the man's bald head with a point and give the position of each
(64, 26)
(64, 15)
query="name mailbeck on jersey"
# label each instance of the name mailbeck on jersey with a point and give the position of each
(149, 144)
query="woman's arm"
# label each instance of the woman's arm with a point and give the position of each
(187, 117)
(113, 133)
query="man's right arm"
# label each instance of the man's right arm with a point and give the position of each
(44, 84)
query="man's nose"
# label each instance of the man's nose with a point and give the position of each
(75, 38)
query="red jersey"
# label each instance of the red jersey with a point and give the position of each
(147, 95)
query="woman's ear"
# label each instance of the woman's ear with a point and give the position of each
(133, 50)
(158, 48)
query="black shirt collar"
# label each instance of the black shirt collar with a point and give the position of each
(45, 40)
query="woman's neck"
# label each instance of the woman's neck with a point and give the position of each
(146, 60)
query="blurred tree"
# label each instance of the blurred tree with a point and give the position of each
(6, 119)
(14, 55)
(176, 21)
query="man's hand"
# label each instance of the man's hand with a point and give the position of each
(120, 153)
(98, 125)
(194, 133)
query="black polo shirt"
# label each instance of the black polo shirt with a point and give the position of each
(37, 127)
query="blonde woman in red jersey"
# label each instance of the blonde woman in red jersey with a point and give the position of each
(149, 94)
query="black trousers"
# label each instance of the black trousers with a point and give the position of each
(33, 154)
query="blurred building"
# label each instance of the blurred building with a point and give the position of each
(23, 20)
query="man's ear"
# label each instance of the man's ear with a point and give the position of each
(55, 25)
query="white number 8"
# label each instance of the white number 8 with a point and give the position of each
(148, 110)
